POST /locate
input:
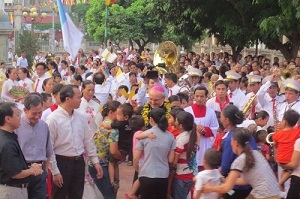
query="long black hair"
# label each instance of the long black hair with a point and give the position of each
(234, 115)
(243, 137)
(110, 106)
(186, 119)
(159, 117)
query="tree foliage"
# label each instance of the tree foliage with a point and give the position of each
(134, 22)
(28, 43)
(283, 19)
(238, 23)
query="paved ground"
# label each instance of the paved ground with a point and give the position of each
(126, 177)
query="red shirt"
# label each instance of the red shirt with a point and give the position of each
(174, 131)
(285, 140)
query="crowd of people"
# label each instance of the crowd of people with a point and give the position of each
(202, 132)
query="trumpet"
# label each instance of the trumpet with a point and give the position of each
(269, 139)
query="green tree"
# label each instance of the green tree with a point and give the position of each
(134, 23)
(47, 26)
(282, 19)
(28, 43)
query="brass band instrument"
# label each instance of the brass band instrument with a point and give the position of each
(248, 106)
(166, 54)
(185, 83)
(269, 139)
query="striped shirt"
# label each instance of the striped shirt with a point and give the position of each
(260, 177)
(182, 171)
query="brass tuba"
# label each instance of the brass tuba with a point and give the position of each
(287, 74)
(166, 56)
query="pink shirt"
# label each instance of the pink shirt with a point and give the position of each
(134, 142)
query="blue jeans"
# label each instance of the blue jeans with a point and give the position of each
(103, 183)
(37, 186)
(181, 188)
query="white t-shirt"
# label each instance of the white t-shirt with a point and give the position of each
(211, 176)
(296, 171)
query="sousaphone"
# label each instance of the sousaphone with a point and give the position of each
(166, 57)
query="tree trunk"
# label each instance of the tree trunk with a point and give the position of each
(130, 44)
(236, 50)
(141, 45)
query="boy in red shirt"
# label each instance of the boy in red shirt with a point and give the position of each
(284, 141)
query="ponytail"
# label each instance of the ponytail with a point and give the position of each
(250, 161)
(163, 123)
(243, 137)
(186, 119)
(192, 145)
(159, 117)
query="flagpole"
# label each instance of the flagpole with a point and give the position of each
(106, 19)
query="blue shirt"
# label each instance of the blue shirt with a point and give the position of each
(228, 156)
(34, 140)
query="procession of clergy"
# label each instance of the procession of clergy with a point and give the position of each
(68, 121)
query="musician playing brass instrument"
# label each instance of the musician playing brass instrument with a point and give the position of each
(250, 104)
(292, 89)
(269, 99)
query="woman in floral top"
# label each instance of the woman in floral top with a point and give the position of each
(106, 141)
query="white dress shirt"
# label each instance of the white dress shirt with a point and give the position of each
(237, 97)
(22, 62)
(285, 107)
(102, 91)
(174, 90)
(70, 136)
(266, 102)
(38, 85)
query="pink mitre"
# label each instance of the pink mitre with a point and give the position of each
(158, 88)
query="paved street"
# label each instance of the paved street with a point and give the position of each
(126, 177)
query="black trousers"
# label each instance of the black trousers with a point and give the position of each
(238, 194)
(153, 188)
(72, 172)
(37, 187)
(294, 190)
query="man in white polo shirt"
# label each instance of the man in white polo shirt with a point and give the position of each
(22, 61)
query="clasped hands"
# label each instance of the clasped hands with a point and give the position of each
(36, 169)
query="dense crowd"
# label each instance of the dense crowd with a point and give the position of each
(202, 132)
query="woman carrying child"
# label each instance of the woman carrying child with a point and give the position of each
(106, 141)
(158, 153)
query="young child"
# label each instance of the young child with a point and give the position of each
(220, 135)
(260, 138)
(124, 113)
(173, 115)
(137, 125)
(211, 174)
(284, 141)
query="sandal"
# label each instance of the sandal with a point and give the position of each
(115, 186)
(129, 163)
(129, 197)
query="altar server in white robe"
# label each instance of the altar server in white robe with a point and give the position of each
(206, 121)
